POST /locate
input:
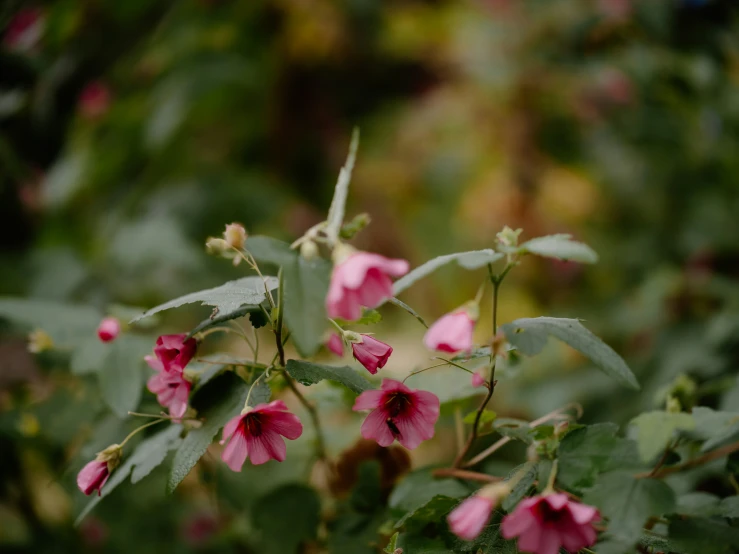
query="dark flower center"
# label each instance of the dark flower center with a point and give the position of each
(252, 423)
(549, 514)
(398, 404)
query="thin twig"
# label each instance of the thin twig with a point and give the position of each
(321, 442)
(464, 474)
(695, 462)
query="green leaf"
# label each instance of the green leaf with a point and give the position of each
(411, 543)
(149, 454)
(628, 502)
(714, 426)
(223, 317)
(530, 471)
(588, 451)
(656, 429)
(489, 541)
(529, 335)
(286, 518)
(369, 317)
(486, 417)
(408, 309)
(702, 535)
(729, 507)
(338, 204)
(433, 510)
(67, 324)
(474, 259)
(218, 401)
(305, 285)
(419, 487)
(698, 504)
(308, 373)
(89, 356)
(561, 247)
(513, 428)
(120, 376)
(225, 298)
(392, 544)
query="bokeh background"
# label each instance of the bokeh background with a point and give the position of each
(130, 131)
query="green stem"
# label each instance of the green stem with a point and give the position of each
(278, 324)
(338, 327)
(552, 478)
(321, 442)
(454, 364)
(251, 388)
(132, 433)
(421, 371)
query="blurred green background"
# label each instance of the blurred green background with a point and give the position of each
(130, 131)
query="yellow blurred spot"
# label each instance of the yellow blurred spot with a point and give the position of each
(28, 425)
(39, 341)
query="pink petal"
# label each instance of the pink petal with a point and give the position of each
(274, 406)
(231, 427)
(528, 540)
(335, 344)
(548, 541)
(377, 288)
(391, 385)
(451, 333)
(375, 428)
(428, 404)
(154, 363)
(235, 452)
(286, 424)
(556, 501)
(582, 513)
(518, 522)
(266, 447)
(368, 400)
(469, 518)
(477, 379)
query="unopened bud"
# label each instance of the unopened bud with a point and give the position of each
(351, 336)
(309, 250)
(341, 252)
(673, 405)
(350, 229)
(216, 246)
(111, 455)
(508, 237)
(39, 341)
(235, 235)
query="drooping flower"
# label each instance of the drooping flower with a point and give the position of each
(371, 353)
(258, 433)
(94, 100)
(477, 379)
(469, 518)
(174, 352)
(171, 387)
(109, 329)
(24, 30)
(335, 344)
(398, 413)
(361, 279)
(543, 524)
(452, 332)
(94, 475)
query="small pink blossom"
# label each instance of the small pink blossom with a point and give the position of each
(398, 413)
(361, 279)
(109, 329)
(174, 352)
(24, 30)
(256, 434)
(171, 387)
(543, 524)
(451, 333)
(469, 518)
(477, 379)
(371, 353)
(335, 344)
(93, 476)
(94, 100)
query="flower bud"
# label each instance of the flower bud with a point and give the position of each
(216, 246)
(39, 341)
(111, 455)
(235, 235)
(109, 329)
(509, 237)
(309, 250)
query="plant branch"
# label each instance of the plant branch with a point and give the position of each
(464, 474)
(695, 462)
(278, 325)
(321, 442)
(473, 435)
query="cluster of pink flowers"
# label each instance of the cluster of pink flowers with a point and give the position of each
(171, 354)
(543, 524)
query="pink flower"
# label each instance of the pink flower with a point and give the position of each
(398, 413)
(451, 333)
(24, 30)
(108, 329)
(171, 387)
(174, 352)
(361, 279)
(256, 434)
(94, 100)
(335, 344)
(371, 353)
(477, 379)
(543, 524)
(468, 518)
(93, 476)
